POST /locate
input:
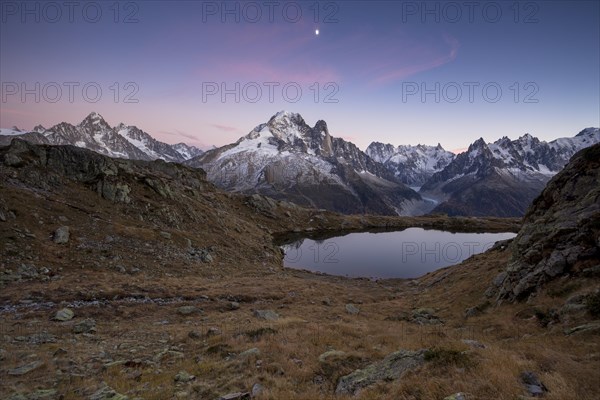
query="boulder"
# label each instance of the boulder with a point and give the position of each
(65, 314)
(61, 235)
(392, 367)
(268, 315)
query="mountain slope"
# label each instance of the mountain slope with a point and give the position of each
(94, 133)
(502, 178)
(287, 159)
(412, 165)
(560, 230)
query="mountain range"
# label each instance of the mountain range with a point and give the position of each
(94, 133)
(502, 178)
(286, 159)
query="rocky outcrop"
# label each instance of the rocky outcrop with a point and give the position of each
(44, 166)
(561, 231)
(392, 367)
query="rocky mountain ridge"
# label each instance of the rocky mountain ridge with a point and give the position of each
(502, 178)
(94, 133)
(285, 158)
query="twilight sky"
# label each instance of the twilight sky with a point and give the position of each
(400, 72)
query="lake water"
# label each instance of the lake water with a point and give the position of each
(402, 254)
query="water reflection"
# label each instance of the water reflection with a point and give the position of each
(402, 254)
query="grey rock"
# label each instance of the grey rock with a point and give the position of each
(456, 396)
(250, 352)
(499, 279)
(64, 314)
(533, 384)
(257, 389)
(236, 396)
(61, 235)
(352, 309)
(37, 338)
(194, 335)
(592, 327)
(392, 367)
(473, 343)
(107, 393)
(184, 377)
(268, 315)
(165, 235)
(233, 305)
(558, 229)
(115, 192)
(187, 310)
(331, 354)
(24, 369)
(85, 326)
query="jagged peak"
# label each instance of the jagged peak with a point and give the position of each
(285, 115)
(95, 119)
(589, 131)
(479, 143)
(39, 128)
(15, 128)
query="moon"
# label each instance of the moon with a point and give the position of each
(316, 32)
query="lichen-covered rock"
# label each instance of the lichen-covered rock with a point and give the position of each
(391, 367)
(560, 230)
(61, 235)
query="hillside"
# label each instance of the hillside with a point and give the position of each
(125, 279)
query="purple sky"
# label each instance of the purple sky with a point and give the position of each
(390, 71)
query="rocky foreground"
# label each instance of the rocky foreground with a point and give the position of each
(131, 279)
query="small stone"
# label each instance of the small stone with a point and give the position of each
(328, 355)
(165, 235)
(326, 301)
(184, 377)
(205, 257)
(236, 396)
(268, 315)
(186, 310)
(456, 396)
(85, 326)
(533, 384)
(352, 309)
(194, 335)
(107, 393)
(592, 327)
(24, 369)
(250, 352)
(65, 314)
(257, 389)
(212, 331)
(61, 235)
(473, 343)
(233, 305)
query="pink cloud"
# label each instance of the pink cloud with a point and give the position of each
(389, 72)
(225, 128)
(261, 71)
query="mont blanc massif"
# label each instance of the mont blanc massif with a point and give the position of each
(287, 159)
